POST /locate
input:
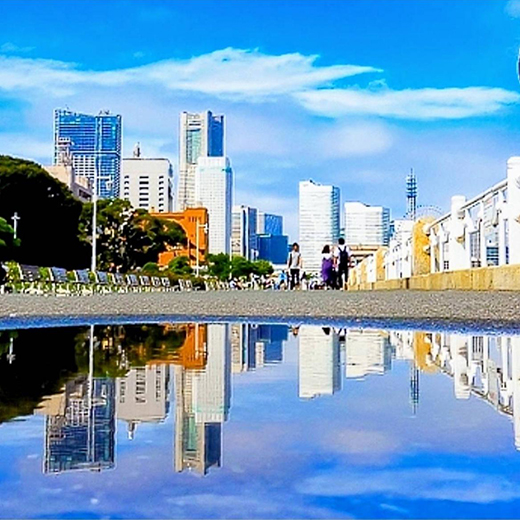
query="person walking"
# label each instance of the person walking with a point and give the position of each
(294, 264)
(342, 263)
(327, 268)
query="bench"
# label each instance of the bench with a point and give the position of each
(83, 283)
(31, 279)
(60, 281)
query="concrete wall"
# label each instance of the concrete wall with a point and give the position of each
(499, 278)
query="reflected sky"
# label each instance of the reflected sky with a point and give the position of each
(272, 421)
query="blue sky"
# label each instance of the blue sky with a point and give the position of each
(349, 92)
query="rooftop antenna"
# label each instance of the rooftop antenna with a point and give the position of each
(411, 195)
(137, 150)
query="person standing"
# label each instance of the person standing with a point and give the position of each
(342, 263)
(294, 264)
(327, 268)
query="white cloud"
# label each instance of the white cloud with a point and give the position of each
(513, 8)
(427, 103)
(12, 48)
(416, 483)
(237, 73)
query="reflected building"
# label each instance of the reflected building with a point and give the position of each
(319, 361)
(80, 426)
(142, 396)
(367, 352)
(202, 402)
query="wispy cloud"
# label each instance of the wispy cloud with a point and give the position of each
(244, 74)
(427, 103)
(11, 48)
(513, 8)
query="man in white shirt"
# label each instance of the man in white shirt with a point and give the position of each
(294, 264)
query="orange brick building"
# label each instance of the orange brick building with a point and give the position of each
(190, 219)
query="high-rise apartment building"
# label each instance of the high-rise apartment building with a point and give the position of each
(318, 220)
(214, 191)
(95, 145)
(201, 135)
(366, 225)
(147, 183)
(269, 224)
(243, 235)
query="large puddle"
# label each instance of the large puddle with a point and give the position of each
(251, 420)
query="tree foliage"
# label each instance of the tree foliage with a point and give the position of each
(128, 238)
(49, 215)
(223, 267)
(180, 266)
(8, 244)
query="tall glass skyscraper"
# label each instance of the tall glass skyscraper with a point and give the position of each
(94, 142)
(201, 135)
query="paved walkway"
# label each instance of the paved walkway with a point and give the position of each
(491, 309)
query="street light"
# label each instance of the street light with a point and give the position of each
(205, 228)
(15, 218)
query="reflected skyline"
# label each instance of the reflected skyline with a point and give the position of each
(188, 371)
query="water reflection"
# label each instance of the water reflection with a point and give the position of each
(94, 377)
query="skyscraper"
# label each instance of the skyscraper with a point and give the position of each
(95, 143)
(269, 224)
(318, 220)
(214, 191)
(148, 183)
(243, 234)
(201, 135)
(319, 361)
(366, 225)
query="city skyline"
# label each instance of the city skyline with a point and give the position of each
(294, 103)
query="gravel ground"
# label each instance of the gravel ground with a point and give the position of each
(489, 309)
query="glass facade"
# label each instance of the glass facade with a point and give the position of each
(95, 143)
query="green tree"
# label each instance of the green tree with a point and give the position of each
(262, 268)
(49, 215)
(240, 267)
(7, 240)
(219, 266)
(151, 268)
(180, 265)
(128, 238)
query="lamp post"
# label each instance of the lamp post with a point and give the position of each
(205, 228)
(15, 218)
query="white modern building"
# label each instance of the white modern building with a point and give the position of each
(201, 135)
(147, 183)
(243, 234)
(214, 191)
(319, 220)
(366, 225)
(142, 396)
(319, 362)
(367, 352)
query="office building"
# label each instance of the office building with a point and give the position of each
(95, 146)
(214, 191)
(142, 396)
(147, 183)
(367, 352)
(273, 248)
(201, 135)
(243, 234)
(194, 221)
(269, 224)
(366, 225)
(318, 221)
(202, 401)
(319, 361)
(80, 427)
